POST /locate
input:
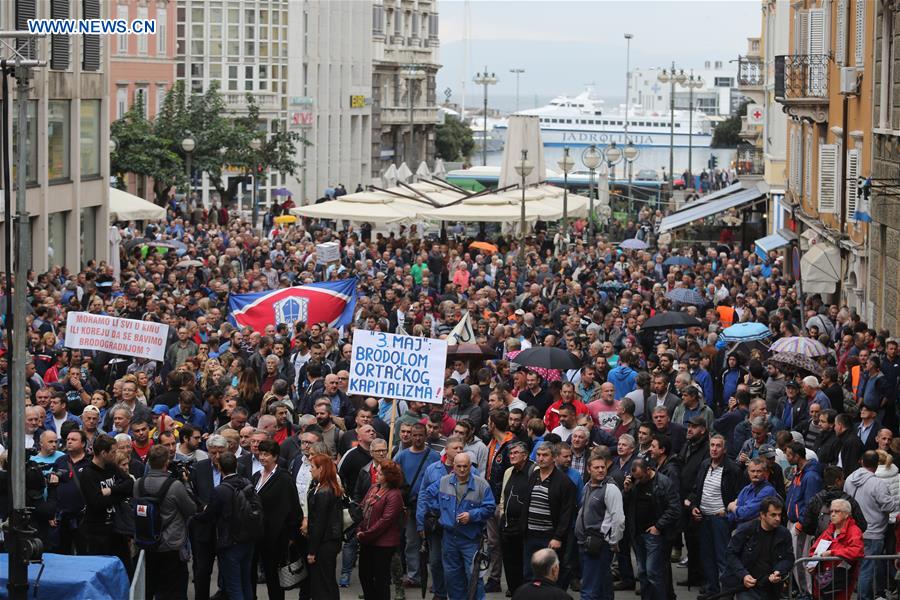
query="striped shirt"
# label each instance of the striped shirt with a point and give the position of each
(539, 509)
(711, 501)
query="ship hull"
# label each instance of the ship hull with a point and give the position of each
(584, 137)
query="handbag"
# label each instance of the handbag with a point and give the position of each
(833, 581)
(291, 574)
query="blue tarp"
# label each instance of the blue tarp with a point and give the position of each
(73, 578)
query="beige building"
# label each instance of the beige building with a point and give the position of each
(68, 134)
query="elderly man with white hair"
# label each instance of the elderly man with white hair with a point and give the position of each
(812, 389)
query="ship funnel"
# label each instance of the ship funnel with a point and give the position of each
(524, 133)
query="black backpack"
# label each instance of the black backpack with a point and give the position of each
(147, 508)
(247, 524)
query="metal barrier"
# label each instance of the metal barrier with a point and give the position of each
(138, 590)
(880, 584)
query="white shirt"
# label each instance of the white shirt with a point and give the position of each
(255, 465)
(302, 481)
(711, 501)
(563, 432)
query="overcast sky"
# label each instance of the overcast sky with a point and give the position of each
(565, 44)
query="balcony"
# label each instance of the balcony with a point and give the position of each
(238, 101)
(751, 72)
(801, 85)
(750, 162)
(749, 132)
(395, 115)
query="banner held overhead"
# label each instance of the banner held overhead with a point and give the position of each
(129, 337)
(397, 366)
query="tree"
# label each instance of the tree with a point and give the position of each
(453, 139)
(728, 133)
(142, 151)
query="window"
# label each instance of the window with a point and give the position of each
(852, 175)
(724, 81)
(378, 19)
(887, 70)
(859, 34)
(160, 97)
(121, 101)
(31, 165)
(141, 95)
(58, 140)
(161, 23)
(56, 224)
(840, 50)
(122, 39)
(90, 138)
(142, 41)
(828, 178)
(88, 233)
(59, 44)
(90, 45)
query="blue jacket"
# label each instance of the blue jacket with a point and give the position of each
(431, 475)
(748, 501)
(409, 462)
(478, 501)
(197, 417)
(624, 378)
(806, 484)
(704, 380)
(50, 424)
(730, 380)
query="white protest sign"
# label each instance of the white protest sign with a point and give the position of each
(328, 252)
(397, 366)
(130, 337)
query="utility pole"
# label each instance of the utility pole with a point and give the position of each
(22, 541)
(517, 72)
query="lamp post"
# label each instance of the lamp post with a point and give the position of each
(692, 84)
(517, 72)
(188, 144)
(523, 168)
(484, 79)
(631, 153)
(591, 158)
(613, 157)
(255, 145)
(671, 77)
(628, 38)
(567, 163)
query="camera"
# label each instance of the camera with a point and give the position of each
(181, 469)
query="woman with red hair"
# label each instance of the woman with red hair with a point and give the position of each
(325, 528)
(380, 532)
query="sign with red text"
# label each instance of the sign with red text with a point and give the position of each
(129, 337)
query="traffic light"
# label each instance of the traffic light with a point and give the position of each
(713, 161)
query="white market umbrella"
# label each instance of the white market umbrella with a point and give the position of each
(389, 177)
(114, 237)
(495, 208)
(403, 172)
(128, 207)
(377, 208)
(440, 170)
(524, 133)
(422, 172)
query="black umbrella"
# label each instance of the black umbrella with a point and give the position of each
(548, 358)
(671, 320)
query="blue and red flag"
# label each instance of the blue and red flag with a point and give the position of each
(332, 301)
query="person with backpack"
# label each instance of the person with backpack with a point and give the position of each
(599, 526)
(818, 510)
(282, 516)
(236, 512)
(162, 506)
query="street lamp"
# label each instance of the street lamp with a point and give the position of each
(628, 38)
(188, 144)
(484, 79)
(613, 157)
(567, 163)
(523, 168)
(255, 145)
(671, 77)
(517, 72)
(692, 84)
(591, 158)
(631, 153)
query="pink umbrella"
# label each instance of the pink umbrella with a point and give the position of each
(548, 374)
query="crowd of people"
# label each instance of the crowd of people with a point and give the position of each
(663, 451)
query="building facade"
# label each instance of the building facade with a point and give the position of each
(405, 58)
(242, 46)
(68, 132)
(884, 230)
(141, 67)
(330, 94)
(825, 86)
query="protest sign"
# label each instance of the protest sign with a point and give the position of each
(397, 366)
(328, 253)
(130, 337)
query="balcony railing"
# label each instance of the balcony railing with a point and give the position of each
(802, 77)
(751, 71)
(750, 160)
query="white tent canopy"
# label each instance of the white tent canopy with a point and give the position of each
(422, 172)
(524, 133)
(389, 177)
(403, 172)
(128, 207)
(379, 208)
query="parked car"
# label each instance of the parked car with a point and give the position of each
(647, 175)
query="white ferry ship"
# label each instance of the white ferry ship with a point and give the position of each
(582, 121)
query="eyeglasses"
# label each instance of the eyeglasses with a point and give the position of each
(384, 451)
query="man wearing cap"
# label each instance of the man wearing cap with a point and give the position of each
(867, 429)
(773, 473)
(746, 506)
(692, 406)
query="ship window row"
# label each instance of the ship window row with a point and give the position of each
(606, 122)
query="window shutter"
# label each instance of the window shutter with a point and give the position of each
(802, 38)
(25, 10)
(840, 50)
(816, 36)
(859, 34)
(807, 168)
(59, 44)
(852, 176)
(90, 60)
(828, 175)
(795, 162)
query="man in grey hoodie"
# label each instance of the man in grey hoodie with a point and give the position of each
(876, 503)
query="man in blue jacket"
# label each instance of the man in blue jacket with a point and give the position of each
(746, 506)
(464, 503)
(623, 377)
(807, 482)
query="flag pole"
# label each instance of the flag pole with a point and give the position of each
(393, 418)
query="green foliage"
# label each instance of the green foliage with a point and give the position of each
(453, 140)
(153, 148)
(728, 133)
